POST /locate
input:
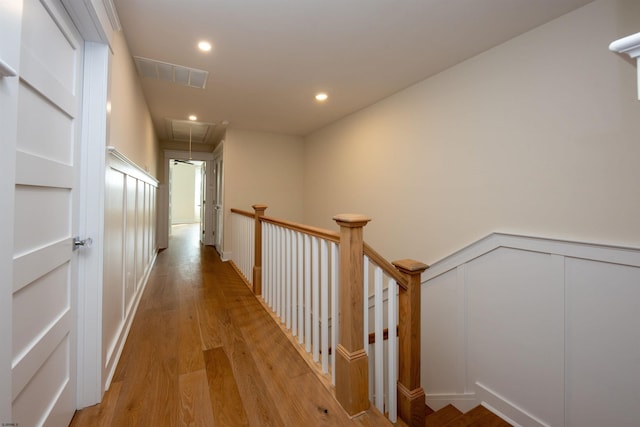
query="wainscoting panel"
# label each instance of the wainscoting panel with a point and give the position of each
(130, 250)
(603, 343)
(542, 331)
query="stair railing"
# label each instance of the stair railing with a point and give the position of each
(337, 296)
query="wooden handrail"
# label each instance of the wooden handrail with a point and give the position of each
(313, 231)
(241, 212)
(386, 266)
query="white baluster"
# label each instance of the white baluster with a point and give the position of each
(294, 284)
(315, 299)
(252, 249)
(287, 262)
(367, 346)
(300, 286)
(283, 282)
(324, 304)
(279, 272)
(307, 292)
(272, 293)
(365, 321)
(265, 258)
(334, 309)
(266, 268)
(379, 344)
(245, 253)
(392, 346)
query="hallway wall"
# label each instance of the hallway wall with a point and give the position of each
(130, 129)
(538, 136)
(264, 168)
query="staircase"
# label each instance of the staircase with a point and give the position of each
(479, 416)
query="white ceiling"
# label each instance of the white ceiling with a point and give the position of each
(270, 57)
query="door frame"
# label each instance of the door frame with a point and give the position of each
(218, 183)
(163, 196)
(97, 22)
(11, 24)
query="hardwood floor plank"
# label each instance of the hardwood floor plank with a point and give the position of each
(190, 357)
(226, 403)
(195, 401)
(208, 325)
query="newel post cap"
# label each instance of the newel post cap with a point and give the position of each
(410, 266)
(260, 207)
(351, 220)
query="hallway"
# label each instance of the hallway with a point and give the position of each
(202, 351)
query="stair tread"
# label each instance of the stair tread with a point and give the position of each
(442, 416)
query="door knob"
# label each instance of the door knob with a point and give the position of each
(85, 243)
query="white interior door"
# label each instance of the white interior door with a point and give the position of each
(45, 221)
(202, 193)
(218, 209)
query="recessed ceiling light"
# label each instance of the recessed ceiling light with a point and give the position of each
(193, 118)
(322, 97)
(204, 46)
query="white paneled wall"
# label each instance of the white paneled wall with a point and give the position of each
(544, 332)
(129, 252)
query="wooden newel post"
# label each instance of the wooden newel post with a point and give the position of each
(411, 398)
(257, 250)
(352, 364)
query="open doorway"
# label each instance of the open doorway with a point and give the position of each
(166, 196)
(187, 191)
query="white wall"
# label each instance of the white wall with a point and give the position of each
(130, 128)
(262, 168)
(543, 331)
(537, 136)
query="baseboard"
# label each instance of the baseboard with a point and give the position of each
(505, 409)
(124, 332)
(224, 255)
(462, 401)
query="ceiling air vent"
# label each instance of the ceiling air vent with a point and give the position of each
(151, 69)
(200, 132)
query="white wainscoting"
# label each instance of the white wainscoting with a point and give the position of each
(544, 332)
(129, 252)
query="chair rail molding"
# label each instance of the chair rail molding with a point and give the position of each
(631, 46)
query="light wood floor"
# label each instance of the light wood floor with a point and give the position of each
(203, 351)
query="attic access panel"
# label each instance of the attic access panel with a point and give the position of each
(201, 133)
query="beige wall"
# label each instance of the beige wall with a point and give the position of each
(130, 128)
(263, 168)
(539, 136)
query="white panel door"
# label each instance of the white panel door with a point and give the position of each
(217, 200)
(44, 262)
